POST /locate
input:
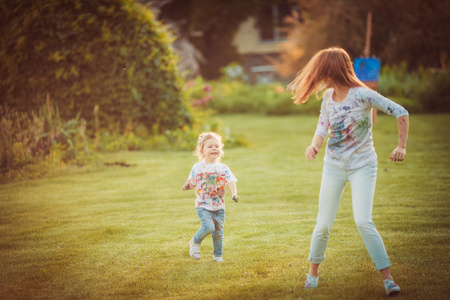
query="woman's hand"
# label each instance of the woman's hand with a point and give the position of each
(311, 152)
(398, 154)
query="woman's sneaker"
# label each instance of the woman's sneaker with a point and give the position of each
(390, 287)
(311, 282)
(194, 249)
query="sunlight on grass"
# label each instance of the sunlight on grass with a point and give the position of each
(123, 233)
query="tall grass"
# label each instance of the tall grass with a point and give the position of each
(123, 233)
(33, 142)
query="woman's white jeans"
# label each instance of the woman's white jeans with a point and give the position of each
(362, 181)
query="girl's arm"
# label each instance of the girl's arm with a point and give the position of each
(321, 130)
(314, 148)
(382, 103)
(399, 153)
(233, 188)
(191, 181)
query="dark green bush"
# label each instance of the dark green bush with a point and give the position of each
(437, 97)
(424, 90)
(111, 53)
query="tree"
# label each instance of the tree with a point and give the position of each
(412, 31)
(111, 53)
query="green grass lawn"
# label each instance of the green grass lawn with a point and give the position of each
(122, 233)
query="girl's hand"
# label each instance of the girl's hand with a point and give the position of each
(398, 154)
(186, 186)
(311, 152)
(235, 198)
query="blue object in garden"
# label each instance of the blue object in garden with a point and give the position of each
(367, 68)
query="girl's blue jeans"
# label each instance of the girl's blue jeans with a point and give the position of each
(362, 181)
(212, 223)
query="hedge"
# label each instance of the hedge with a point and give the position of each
(83, 53)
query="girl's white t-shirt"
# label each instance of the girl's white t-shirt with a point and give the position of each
(350, 144)
(210, 181)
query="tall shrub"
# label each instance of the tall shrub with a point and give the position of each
(424, 90)
(437, 97)
(239, 97)
(111, 53)
(31, 142)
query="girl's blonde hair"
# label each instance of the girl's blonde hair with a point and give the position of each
(201, 143)
(332, 64)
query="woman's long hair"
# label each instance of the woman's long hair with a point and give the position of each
(332, 65)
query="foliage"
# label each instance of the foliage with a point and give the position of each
(233, 71)
(413, 33)
(236, 96)
(83, 53)
(136, 137)
(424, 90)
(437, 97)
(31, 143)
(198, 92)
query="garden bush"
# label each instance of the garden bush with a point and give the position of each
(437, 97)
(136, 137)
(83, 53)
(423, 90)
(237, 96)
(32, 143)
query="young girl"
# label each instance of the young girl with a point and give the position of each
(346, 113)
(209, 178)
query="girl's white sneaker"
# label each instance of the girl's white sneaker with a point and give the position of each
(311, 282)
(194, 249)
(391, 287)
(218, 259)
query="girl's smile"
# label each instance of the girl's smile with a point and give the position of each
(211, 150)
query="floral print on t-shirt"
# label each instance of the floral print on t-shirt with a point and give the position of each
(210, 181)
(349, 123)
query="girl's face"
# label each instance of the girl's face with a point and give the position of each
(211, 150)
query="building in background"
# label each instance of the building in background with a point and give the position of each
(258, 41)
(255, 41)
